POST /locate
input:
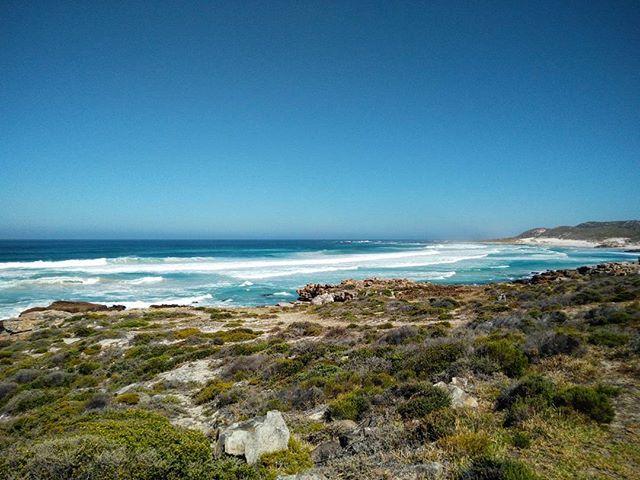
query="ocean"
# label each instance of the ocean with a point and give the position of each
(251, 272)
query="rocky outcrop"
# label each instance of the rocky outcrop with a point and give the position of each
(319, 294)
(456, 389)
(610, 269)
(253, 438)
(74, 307)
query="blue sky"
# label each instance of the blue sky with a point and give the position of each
(316, 119)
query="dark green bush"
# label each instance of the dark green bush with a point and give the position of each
(592, 401)
(26, 400)
(428, 400)
(529, 395)
(607, 314)
(351, 406)
(608, 338)
(431, 360)
(521, 440)
(506, 352)
(7, 389)
(128, 445)
(497, 469)
(440, 423)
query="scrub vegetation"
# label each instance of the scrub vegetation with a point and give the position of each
(141, 394)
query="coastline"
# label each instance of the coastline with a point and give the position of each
(617, 243)
(339, 370)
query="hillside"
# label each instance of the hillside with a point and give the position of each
(597, 234)
(364, 380)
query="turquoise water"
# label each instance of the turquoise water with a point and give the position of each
(138, 273)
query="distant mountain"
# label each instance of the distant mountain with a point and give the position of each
(624, 233)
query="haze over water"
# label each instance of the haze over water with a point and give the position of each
(233, 273)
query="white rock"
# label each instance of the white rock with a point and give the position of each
(322, 299)
(459, 398)
(198, 371)
(253, 438)
(318, 413)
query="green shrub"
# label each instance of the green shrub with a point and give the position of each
(128, 445)
(7, 389)
(521, 440)
(436, 358)
(430, 398)
(128, 398)
(86, 368)
(507, 353)
(529, 395)
(351, 406)
(440, 423)
(27, 400)
(236, 335)
(608, 338)
(496, 469)
(289, 462)
(592, 401)
(211, 390)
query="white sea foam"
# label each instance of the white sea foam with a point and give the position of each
(61, 264)
(262, 274)
(262, 268)
(50, 281)
(166, 301)
(282, 294)
(246, 284)
(145, 281)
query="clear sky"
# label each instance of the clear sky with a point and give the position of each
(322, 119)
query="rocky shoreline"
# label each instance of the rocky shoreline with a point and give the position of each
(363, 379)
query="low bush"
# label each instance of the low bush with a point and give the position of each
(608, 338)
(288, 462)
(26, 400)
(7, 389)
(128, 398)
(553, 343)
(506, 352)
(240, 334)
(496, 469)
(304, 329)
(594, 402)
(440, 423)
(349, 406)
(128, 445)
(521, 440)
(428, 361)
(398, 336)
(529, 395)
(607, 315)
(97, 402)
(211, 391)
(427, 399)
(26, 375)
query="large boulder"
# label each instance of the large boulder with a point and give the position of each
(255, 437)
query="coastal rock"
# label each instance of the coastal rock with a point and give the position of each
(609, 269)
(312, 290)
(322, 299)
(319, 294)
(253, 438)
(74, 307)
(459, 398)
